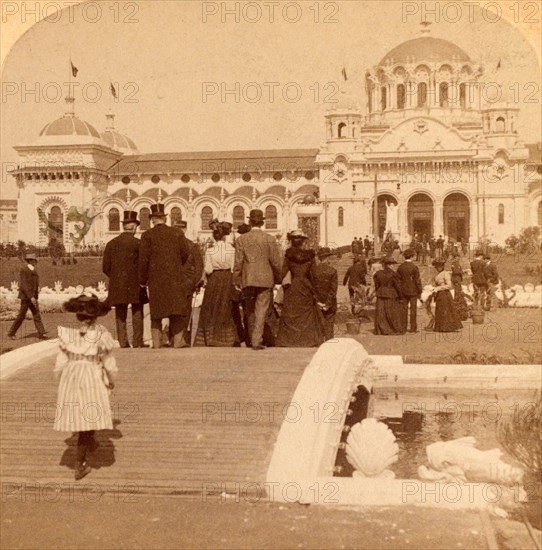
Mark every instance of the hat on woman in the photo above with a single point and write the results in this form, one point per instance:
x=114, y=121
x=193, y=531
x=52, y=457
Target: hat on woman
x=243, y=228
x=87, y=304
x=296, y=234
x=158, y=211
x=130, y=217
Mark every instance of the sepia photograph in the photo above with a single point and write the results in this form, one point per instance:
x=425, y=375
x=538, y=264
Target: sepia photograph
x=271, y=274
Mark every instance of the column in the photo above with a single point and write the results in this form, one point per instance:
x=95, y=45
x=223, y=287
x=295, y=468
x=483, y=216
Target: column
x=472, y=221
x=403, y=223
x=439, y=217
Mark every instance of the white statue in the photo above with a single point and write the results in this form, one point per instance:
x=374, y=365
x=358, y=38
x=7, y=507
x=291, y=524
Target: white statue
x=392, y=218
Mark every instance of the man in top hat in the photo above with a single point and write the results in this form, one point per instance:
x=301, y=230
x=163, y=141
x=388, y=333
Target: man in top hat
x=257, y=268
x=28, y=294
x=120, y=264
x=162, y=253
x=325, y=283
x=411, y=288
x=479, y=278
x=191, y=275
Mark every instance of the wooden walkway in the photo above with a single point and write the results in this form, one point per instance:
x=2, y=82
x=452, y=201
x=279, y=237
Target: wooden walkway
x=185, y=419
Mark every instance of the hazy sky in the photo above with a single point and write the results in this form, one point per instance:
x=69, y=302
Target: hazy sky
x=162, y=52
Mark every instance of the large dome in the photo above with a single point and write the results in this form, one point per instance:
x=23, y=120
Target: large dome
x=425, y=48
x=69, y=125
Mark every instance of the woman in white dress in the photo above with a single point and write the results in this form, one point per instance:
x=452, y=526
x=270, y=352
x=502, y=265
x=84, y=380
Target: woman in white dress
x=216, y=325
x=86, y=368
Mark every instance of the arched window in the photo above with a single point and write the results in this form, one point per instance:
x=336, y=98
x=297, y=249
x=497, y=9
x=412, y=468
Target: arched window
x=422, y=94
x=55, y=223
x=401, y=96
x=144, y=219
x=114, y=219
x=383, y=98
x=271, y=218
x=340, y=220
x=206, y=217
x=341, y=130
x=175, y=215
x=238, y=216
x=501, y=213
x=443, y=94
x=539, y=216
x=500, y=127
x=463, y=95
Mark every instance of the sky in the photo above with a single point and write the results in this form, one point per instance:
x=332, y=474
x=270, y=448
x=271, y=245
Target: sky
x=163, y=55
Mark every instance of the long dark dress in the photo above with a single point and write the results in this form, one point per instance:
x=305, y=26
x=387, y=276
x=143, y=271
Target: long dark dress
x=446, y=315
x=389, y=317
x=216, y=325
x=300, y=324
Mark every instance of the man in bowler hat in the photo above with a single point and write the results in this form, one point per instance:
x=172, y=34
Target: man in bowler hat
x=162, y=253
x=256, y=270
x=411, y=288
x=120, y=264
x=28, y=294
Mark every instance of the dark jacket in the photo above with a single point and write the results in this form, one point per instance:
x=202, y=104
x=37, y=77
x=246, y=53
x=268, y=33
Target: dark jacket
x=325, y=282
x=387, y=284
x=28, y=283
x=478, y=268
x=355, y=274
x=120, y=264
x=492, y=275
x=162, y=254
x=411, y=283
x=192, y=271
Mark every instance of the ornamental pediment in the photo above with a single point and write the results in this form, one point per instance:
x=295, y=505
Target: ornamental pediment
x=420, y=134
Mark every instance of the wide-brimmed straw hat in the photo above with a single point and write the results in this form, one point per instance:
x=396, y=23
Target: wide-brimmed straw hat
x=297, y=234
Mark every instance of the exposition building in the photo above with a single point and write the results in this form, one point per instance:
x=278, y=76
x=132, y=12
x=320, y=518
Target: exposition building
x=444, y=163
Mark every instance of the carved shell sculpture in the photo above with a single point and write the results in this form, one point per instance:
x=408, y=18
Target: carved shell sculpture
x=58, y=286
x=371, y=448
x=102, y=287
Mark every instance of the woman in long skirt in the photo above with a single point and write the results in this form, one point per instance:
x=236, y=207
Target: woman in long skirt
x=300, y=323
x=86, y=368
x=389, y=310
x=216, y=325
x=446, y=316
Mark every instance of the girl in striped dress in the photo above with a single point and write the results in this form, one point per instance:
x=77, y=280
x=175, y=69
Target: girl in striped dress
x=86, y=368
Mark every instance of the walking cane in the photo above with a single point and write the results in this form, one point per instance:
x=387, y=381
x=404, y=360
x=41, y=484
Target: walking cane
x=191, y=322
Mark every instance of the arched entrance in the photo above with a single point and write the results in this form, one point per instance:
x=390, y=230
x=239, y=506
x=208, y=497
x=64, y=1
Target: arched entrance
x=382, y=209
x=55, y=224
x=457, y=216
x=420, y=215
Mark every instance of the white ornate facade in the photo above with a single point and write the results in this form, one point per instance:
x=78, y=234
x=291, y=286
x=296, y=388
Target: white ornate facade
x=452, y=165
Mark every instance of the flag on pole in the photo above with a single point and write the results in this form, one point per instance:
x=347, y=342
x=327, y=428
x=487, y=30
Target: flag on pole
x=343, y=72
x=113, y=91
x=75, y=70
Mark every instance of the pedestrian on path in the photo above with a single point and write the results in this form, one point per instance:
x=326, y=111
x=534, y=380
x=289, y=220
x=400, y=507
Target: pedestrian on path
x=120, y=264
x=86, y=368
x=28, y=293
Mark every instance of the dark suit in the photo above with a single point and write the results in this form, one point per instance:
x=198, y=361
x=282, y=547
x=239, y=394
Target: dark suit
x=120, y=264
x=355, y=276
x=257, y=269
x=28, y=290
x=162, y=253
x=411, y=288
x=479, y=281
x=492, y=277
x=325, y=282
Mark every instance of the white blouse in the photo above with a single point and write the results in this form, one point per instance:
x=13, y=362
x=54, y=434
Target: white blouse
x=219, y=256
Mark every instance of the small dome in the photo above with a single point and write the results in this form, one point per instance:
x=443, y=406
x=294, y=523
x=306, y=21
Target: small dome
x=119, y=142
x=425, y=48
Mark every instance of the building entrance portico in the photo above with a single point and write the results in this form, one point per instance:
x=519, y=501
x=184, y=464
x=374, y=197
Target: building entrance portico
x=457, y=216
x=420, y=215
